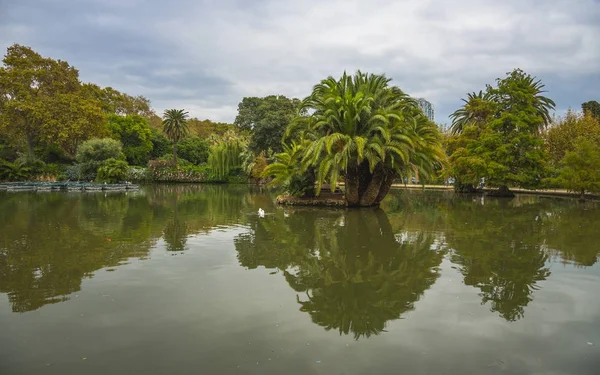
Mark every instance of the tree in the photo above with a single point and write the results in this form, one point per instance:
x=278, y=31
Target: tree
x=503, y=144
x=42, y=100
x=115, y=102
x=369, y=133
x=580, y=169
x=195, y=150
x=160, y=144
x=175, y=127
x=593, y=108
x=226, y=155
x=206, y=128
x=135, y=136
x=561, y=136
x=266, y=118
x=477, y=110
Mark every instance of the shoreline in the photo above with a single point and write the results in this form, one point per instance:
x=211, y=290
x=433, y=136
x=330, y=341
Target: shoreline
x=542, y=192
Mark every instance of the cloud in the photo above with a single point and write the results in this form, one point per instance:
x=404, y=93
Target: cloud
x=205, y=56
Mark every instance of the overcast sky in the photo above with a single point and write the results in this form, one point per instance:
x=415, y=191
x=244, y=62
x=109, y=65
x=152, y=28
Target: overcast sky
x=205, y=56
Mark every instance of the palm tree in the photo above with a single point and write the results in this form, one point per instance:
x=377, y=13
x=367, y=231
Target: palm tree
x=477, y=110
x=361, y=129
x=175, y=127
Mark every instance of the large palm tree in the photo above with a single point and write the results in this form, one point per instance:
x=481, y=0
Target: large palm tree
x=361, y=129
x=175, y=127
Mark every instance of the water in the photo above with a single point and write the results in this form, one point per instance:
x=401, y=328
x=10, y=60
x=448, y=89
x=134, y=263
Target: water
x=189, y=280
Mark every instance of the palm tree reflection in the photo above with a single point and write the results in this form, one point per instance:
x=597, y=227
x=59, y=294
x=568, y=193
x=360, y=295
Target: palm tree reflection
x=351, y=272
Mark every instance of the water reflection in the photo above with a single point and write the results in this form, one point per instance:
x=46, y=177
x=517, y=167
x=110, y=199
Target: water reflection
x=50, y=242
x=352, y=272
x=499, y=250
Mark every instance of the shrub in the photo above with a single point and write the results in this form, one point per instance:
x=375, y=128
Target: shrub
x=73, y=172
x=92, y=153
x=135, y=135
x=167, y=171
x=112, y=170
x=137, y=174
x=161, y=145
x=194, y=149
x=180, y=161
x=16, y=171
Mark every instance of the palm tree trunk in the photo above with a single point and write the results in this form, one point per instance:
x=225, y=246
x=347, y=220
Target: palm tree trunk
x=369, y=197
x=386, y=185
x=352, y=182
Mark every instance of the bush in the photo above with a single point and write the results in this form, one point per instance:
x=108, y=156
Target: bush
x=180, y=161
x=73, y=172
x=135, y=135
x=16, y=171
x=137, y=174
x=161, y=145
x=194, y=149
x=52, y=172
x=92, y=153
x=112, y=170
x=167, y=171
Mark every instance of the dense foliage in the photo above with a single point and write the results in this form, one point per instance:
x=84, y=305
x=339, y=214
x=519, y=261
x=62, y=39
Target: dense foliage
x=357, y=129
x=499, y=134
x=365, y=131
x=266, y=119
x=135, y=136
x=112, y=170
x=91, y=154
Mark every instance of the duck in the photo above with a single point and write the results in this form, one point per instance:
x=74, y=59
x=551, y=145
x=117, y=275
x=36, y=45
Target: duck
x=261, y=213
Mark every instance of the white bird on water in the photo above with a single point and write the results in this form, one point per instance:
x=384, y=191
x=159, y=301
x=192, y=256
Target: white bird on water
x=261, y=213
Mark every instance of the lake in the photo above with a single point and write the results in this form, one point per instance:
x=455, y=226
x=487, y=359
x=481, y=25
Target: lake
x=188, y=279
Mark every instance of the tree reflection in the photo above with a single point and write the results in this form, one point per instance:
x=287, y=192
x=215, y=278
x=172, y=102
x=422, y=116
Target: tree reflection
x=50, y=242
x=351, y=271
x=499, y=249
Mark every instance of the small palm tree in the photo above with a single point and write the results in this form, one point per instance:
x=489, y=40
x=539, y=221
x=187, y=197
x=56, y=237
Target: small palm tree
x=478, y=109
x=175, y=127
x=14, y=171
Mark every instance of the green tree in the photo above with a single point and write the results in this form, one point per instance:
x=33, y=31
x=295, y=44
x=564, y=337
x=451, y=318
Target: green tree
x=161, y=145
x=477, y=110
x=593, y=108
x=175, y=127
x=42, y=100
x=580, y=168
x=502, y=143
x=267, y=118
x=369, y=133
x=135, y=136
x=91, y=154
x=226, y=155
x=194, y=149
